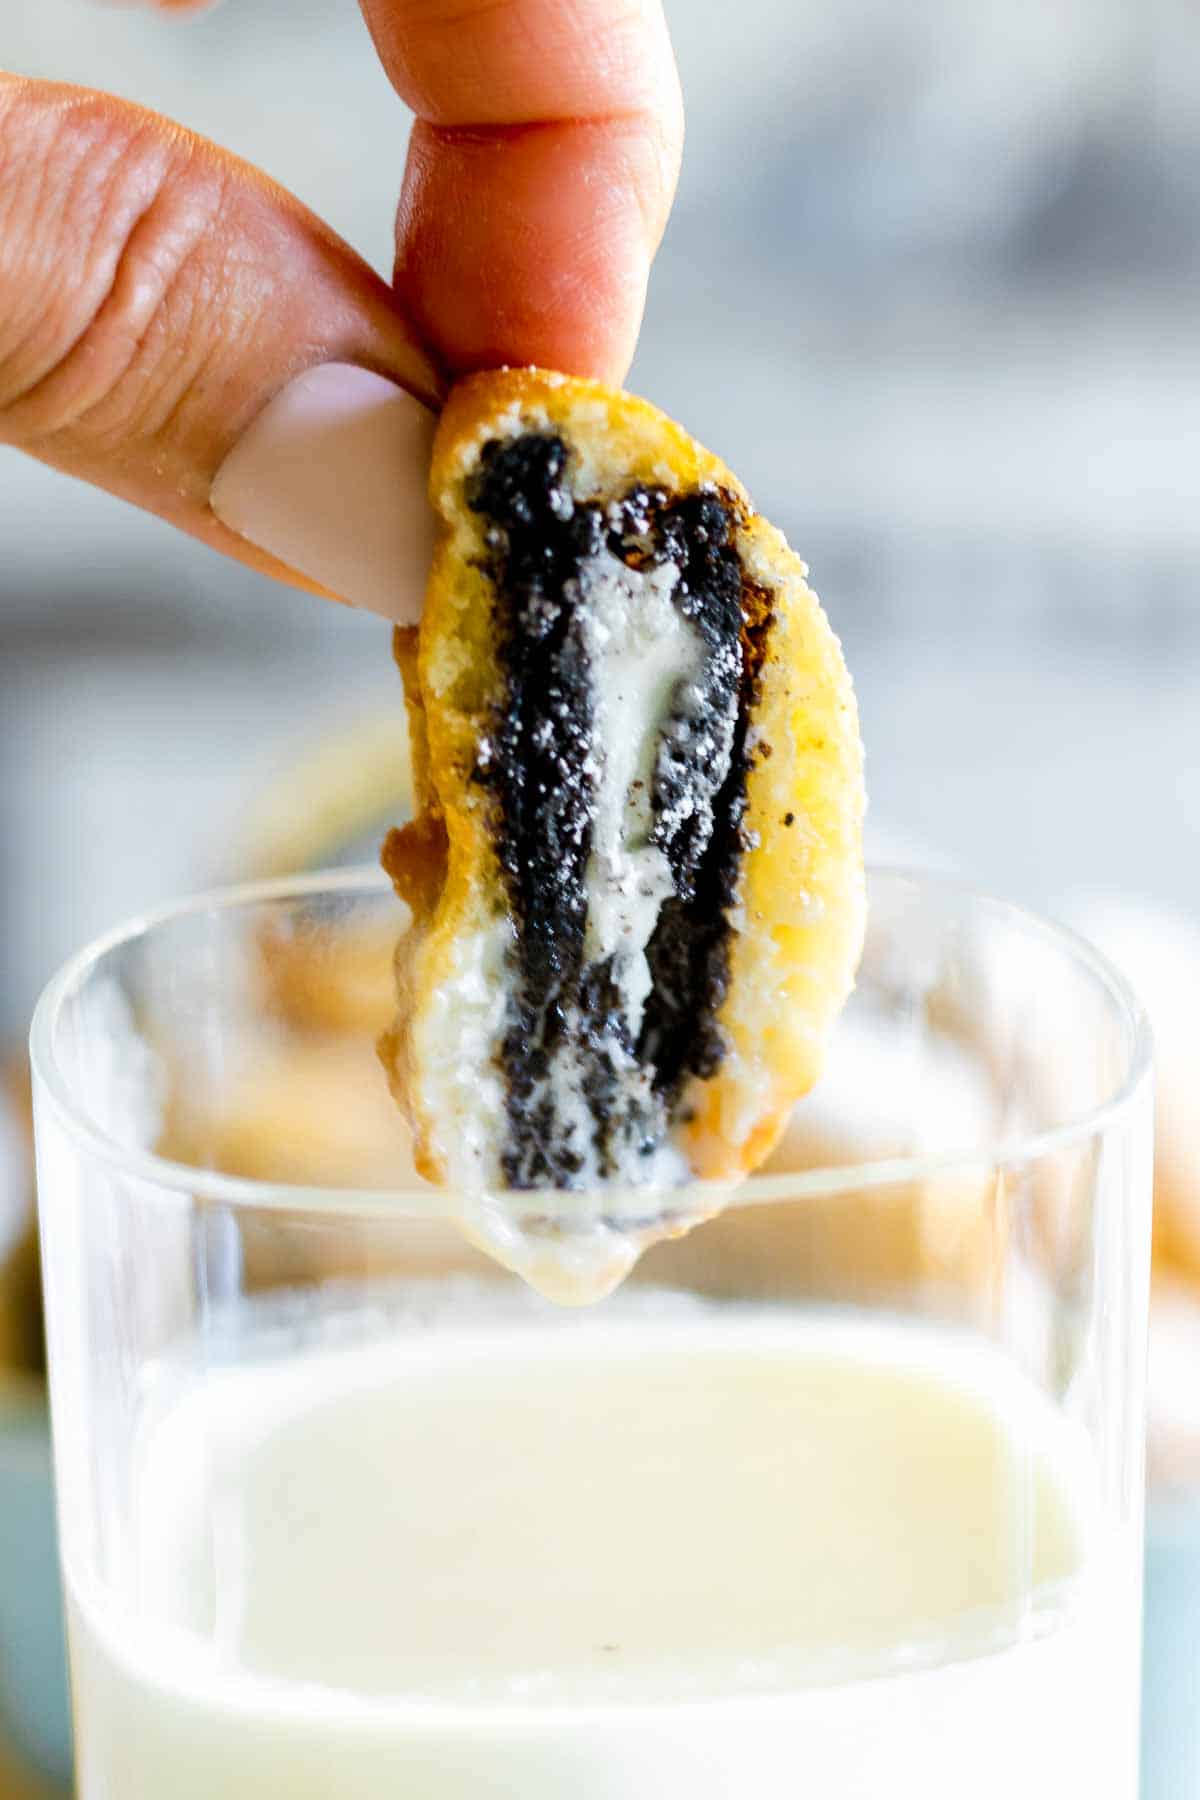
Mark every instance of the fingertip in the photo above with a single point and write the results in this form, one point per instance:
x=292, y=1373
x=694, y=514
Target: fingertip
x=485, y=63
x=331, y=479
x=534, y=245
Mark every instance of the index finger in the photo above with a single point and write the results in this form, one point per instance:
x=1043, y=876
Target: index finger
x=541, y=170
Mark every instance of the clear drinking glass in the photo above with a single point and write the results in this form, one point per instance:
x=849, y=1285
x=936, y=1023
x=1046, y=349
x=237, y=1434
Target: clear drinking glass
x=839, y=1494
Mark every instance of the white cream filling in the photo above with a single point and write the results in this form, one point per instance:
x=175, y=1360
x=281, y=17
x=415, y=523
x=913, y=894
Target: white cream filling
x=573, y=1121
x=458, y=1038
x=641, y=648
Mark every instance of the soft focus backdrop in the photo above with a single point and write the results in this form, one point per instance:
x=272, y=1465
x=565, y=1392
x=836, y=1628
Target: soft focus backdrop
x=930, y=289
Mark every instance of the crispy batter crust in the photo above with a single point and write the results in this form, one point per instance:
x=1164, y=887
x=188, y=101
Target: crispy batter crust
x=799, y=924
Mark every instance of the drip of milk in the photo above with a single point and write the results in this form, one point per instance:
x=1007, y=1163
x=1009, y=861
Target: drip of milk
x=675, y=1551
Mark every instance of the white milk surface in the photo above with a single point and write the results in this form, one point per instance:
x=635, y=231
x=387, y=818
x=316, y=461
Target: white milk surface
x=707, y=1553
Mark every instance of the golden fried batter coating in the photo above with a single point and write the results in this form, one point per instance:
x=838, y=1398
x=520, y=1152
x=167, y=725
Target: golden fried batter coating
x=743, y=890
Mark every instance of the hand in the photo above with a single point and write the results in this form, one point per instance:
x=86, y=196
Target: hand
x=157, y=295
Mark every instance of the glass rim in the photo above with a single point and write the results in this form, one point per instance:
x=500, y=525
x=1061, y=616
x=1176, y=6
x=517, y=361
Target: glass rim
x=427, y=1201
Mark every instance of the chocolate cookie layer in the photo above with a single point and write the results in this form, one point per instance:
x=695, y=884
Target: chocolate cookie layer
x=620, y=899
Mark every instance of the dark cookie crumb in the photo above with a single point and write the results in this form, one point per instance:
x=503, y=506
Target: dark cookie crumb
x=689, y=951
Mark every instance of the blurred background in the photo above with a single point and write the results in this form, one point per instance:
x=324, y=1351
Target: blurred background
x=930, y=289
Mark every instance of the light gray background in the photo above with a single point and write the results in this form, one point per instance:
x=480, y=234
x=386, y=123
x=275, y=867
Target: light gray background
x=929, y=288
